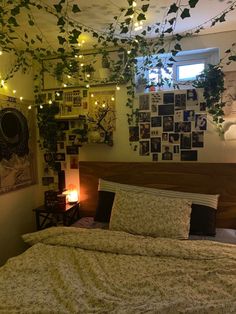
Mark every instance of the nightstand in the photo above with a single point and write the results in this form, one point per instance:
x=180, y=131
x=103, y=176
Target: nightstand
x=47, y=217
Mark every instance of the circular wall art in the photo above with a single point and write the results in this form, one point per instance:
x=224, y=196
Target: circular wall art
x=14, y=133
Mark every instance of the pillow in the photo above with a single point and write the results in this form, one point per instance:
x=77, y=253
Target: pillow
x=150, y=215
x=203, y=215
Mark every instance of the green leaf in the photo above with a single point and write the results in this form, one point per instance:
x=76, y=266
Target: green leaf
x=169, y=30
x=61, y=40
x=192, y=3
x=61, y=50
x=15, y=11
x=145, y=7
x=130, y=2
x=222, y=18
x=75, y=8
x=232, y=58
x=141, y=17
x=124, y=30
x=13, y=21
x=130, y=11
x=185, y=13
x=171, y=21
x=173, y=9
x=228, y=51
x=162, y=50
x=39, y=38
x=31, y=22
x=61, y=21
x=58, y=7
x=178, y=47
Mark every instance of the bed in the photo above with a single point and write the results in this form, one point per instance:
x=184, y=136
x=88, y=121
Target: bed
x=132, y=265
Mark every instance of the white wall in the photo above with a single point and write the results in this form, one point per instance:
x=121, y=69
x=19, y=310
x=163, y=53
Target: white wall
x=215, y=150
x=16, y=216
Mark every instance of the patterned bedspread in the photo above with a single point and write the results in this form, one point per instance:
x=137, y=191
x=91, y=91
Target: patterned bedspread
x=74, y=270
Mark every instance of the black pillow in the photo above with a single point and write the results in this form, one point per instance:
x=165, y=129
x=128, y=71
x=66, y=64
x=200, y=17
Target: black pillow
x=202, y=221
x=104, y=206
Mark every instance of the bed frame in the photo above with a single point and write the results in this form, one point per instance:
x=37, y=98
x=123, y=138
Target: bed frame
x=208, y=178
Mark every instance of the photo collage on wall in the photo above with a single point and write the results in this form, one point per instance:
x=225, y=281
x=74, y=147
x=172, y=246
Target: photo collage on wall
x=171, y=125
x=73, y=106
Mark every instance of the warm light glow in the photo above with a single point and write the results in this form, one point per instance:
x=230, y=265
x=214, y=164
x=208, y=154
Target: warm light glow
x=69, y=76
x=72, y=196
x=76, y=56
x=50, y=102
x=21, y=98
x=2, y=83
x=134, y=4
x=57, y=93
x=41, y=106
x=92, y=95
x=81, y=64
x=29, y=107
x=129, y=52
x=14, y=91
x=80, y=56
x=87, y=85
x=113, y=98
x=65, y=85
x=88, y=75
x=117, y=87
x=96, y=102
x=103, y=105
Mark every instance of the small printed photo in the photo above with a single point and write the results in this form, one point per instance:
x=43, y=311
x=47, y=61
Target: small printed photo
x=48, y=157
x=156, y=122
x=85, y=105
x=154, y=157
x=202, y=106
x=144, y=130
x=168, y=98
x=144, y=148
x=176, y=149
x=189, y=155
x=61, y=136
x=180, y=101
x=71, y=137
x=85, y=93
x=144, y=116
x=133, y=133
x=167, y=153
x=63, y=125
x=59, y=157
x=47, y=181
x=156, y=98
x=178, y=115
x=144, y=102
x=174, y=138
x=155, y=145
x=72, y=150
x=192, y=94
x=201, y=122
x=185, y=141
x=58, y=95
x=60, y=146
x=155, y=132
x=165, y=110
x=74, y=162
x=165, y=137
x=182, y=127
x=154, y=108
x=77, y=100
x=198, y=139
x=168, y=123
x=189, y=115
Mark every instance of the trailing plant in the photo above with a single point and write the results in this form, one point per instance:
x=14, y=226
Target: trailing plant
x=212, y=81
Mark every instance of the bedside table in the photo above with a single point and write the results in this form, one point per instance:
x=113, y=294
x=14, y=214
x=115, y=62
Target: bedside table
x=47, y=217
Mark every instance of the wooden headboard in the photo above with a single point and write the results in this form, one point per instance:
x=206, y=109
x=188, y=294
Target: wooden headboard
x=208, y=178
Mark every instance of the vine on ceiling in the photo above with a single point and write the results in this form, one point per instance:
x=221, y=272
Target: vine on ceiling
x=128, y=32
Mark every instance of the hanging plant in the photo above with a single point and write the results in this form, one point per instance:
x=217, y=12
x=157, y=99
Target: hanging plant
x=212, y=81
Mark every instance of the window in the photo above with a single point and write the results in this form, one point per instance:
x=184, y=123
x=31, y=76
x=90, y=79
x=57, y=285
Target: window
x=189, y=72
x=188, y=65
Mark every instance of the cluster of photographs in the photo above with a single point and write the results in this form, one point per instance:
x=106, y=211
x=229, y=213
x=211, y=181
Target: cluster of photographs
x=171, y=125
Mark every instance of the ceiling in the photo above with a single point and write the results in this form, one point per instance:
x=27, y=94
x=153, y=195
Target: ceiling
x=98, y=14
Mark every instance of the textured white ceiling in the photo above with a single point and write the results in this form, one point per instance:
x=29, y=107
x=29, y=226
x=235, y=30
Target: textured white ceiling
x=97, y=14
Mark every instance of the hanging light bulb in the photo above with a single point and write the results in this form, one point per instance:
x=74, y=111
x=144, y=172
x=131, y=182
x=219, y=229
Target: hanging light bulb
x=112, y=98
x=50, y=102
x=14, y=91
x=41, y=106
x=92, y=95
x=117, y=87
x=21, y=98
x=134, y=4
x=69, y=76
x=64, y=85
x=87, y=85
x=29, y=107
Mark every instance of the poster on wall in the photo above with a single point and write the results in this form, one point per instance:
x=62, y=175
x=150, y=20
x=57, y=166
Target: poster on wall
x=17, y=162
x=171, y=125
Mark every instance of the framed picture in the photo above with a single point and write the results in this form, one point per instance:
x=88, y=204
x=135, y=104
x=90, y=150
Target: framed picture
x=165, y=110
x=144, y=116
x=185, y=141
x=200, y=122
x=144, y=148
x=144, y=130
x=72, y=150
x=188, y=155
x=155, y=145
x=48, y=157
x=180, y=101
x=167, y=153
x=144, y=102
x=168, y=123
x=168, y=98
x=198, y=139
x=156, y=122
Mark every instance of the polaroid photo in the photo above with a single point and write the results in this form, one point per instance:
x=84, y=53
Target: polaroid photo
x=182, y=127
x=180, y=101
x=144, y=129
x=179, y=115
x=189, y=115
x=174, y=138
x=168, y=98
x=156, y=122
x=192, y=97
x=72, y=150
x=155, y=145
x=176, y=149
x=144, y=116
x=165, y=110
x=198, y=139
x=167, y=153
x=168, y=123
x=156, y=99
x=155, y=132
x=185, y=141
x=165, y=137
x=201, y=122
x=144, y=102
x=133, y=133
x=48, y=157
x=189, y=155
x=144, y=148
